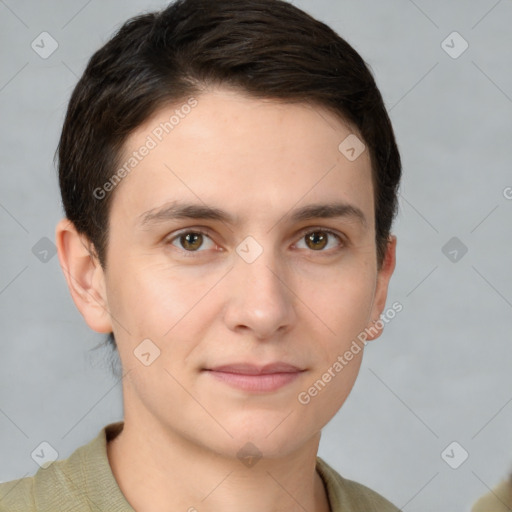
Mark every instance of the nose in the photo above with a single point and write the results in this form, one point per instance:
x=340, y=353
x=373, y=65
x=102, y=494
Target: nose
x=260, y=297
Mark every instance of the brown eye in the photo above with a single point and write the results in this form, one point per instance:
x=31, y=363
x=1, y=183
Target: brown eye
x=191, y=241
x=316, y=240
x=319, y=239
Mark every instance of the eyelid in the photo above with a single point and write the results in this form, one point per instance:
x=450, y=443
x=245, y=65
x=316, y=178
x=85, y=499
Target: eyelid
x=324, y=229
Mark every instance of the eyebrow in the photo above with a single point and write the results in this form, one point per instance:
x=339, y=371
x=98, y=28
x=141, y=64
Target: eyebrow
x=178, y=210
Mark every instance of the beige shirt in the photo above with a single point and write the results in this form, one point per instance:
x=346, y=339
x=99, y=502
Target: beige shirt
x=498, y=500
x=84, y=482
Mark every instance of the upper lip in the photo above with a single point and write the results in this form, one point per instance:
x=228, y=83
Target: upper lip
x=252, y=369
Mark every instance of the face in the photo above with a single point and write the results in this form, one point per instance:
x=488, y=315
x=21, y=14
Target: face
x=241, y=276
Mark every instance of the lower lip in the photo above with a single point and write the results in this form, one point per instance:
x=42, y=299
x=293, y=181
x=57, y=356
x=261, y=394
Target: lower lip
x=258, y=383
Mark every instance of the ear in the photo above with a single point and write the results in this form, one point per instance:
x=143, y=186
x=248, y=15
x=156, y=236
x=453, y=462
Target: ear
x=84, y=275
x=381, y=289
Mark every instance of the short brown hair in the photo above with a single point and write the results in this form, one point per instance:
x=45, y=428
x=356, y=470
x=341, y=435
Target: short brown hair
x=264, y=48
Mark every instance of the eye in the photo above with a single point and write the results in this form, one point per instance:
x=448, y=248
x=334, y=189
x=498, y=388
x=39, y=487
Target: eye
x=318, y=239
x=191, y=241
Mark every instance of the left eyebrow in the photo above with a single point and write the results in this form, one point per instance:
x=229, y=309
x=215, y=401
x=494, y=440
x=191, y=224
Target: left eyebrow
x=329, y=210
x=178, y=210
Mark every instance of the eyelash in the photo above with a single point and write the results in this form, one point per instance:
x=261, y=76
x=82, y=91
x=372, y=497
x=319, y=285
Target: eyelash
x=193, y=254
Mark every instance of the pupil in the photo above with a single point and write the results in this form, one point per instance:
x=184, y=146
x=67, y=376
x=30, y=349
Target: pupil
x=315, y=239
x=190, y=244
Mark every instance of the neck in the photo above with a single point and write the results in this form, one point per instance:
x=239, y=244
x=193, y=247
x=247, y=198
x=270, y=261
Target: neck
x=164, y=471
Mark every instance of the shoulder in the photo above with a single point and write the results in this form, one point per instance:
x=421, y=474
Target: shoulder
x=17, y=495
x=65, y=484
x=49, y=488
x=498, y=500
x=350, y=496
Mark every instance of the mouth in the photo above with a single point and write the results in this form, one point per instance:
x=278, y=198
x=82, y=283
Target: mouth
x=252, y=378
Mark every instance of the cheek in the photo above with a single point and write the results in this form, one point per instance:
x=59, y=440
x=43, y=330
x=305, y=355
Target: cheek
x=341, y=301
x=153, y=298
x=343, y=310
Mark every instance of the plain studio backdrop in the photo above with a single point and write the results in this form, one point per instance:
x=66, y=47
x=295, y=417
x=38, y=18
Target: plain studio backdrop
x=429, y=421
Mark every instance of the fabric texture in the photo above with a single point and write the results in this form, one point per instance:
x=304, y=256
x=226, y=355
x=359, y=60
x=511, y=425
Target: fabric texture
x=498, y=500
x=84, y=482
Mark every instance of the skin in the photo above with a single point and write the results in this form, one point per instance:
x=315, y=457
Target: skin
x=259, y=160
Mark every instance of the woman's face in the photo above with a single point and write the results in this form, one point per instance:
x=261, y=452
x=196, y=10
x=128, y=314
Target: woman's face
x=214, y=259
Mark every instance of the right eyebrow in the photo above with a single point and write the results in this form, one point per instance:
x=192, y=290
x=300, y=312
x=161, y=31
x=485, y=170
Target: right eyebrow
x=177, y=210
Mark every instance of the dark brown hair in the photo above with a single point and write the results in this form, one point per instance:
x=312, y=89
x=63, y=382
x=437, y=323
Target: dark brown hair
x=264, y=48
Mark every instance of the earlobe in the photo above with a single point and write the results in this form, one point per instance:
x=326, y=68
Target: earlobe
x=84, y=276
x=374, y=330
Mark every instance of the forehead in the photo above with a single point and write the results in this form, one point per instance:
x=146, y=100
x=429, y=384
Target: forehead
x=249, y=156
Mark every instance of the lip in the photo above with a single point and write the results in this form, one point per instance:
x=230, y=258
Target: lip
x=253, y=378
x=252, y=369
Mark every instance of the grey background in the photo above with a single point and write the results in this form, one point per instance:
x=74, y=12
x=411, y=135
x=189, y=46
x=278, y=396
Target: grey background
x=441, y=370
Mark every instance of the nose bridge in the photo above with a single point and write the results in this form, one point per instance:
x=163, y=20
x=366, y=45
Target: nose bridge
x=260, y=298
